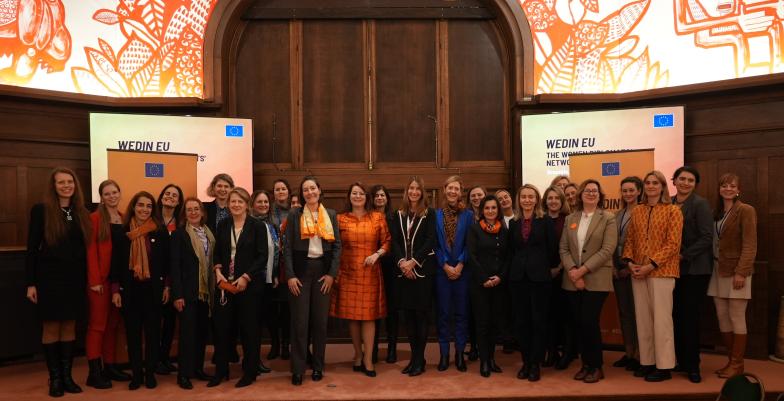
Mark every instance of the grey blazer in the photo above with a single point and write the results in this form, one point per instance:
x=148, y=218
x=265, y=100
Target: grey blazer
x=600, y=242
x=296, y=249
x=697, y=237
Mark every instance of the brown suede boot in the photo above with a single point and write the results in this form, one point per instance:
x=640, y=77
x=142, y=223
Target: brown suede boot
x=738, y=350
x=727, y=339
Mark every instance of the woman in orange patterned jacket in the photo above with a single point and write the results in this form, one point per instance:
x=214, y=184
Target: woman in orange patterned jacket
x=652, y=252
x=360, y=285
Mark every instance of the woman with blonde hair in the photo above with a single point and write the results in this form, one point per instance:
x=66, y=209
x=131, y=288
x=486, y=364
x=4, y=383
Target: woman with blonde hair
x=735, y=246
x=652, y=254
x=534, y=250
x=57, y=239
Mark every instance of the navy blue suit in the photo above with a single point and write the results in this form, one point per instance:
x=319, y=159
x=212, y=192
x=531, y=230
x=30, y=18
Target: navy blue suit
x=453, y=294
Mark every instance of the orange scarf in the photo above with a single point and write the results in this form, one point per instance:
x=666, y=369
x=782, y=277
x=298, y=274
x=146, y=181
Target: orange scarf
x=321, y=227
x=139, y=263
x=490, y=230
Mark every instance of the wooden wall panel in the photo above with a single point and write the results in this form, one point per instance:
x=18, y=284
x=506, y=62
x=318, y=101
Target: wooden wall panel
x=477, y=126
x=333, y=91
x=405, y=91
x=263, y=84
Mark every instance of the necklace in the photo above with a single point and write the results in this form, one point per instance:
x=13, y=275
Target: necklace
x=67, y=213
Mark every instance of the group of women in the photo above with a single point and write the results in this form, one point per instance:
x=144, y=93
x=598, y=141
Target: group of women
x=531, y=267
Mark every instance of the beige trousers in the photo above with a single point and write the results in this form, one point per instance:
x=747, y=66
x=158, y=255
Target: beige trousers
x=653, y=311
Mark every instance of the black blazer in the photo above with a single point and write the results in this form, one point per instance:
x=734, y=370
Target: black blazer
x=697, y=239
x=534, y=258
x=488, y=254
x=159, y=259
x=296, y=249
x=423, y=242
x=185, y=268
x=212, y=214
x=252, y=250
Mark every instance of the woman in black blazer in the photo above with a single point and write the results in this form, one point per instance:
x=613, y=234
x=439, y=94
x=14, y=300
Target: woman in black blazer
x=140, y=265
x=312, y=255
x=218, y=209
x=193, y=287
x=413, y=231
x=534, y=250
x=240, y=263
x=488, y=259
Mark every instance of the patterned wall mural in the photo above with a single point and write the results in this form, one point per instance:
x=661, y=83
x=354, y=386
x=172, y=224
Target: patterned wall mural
x=615, y=46
x=144, y=48
x=121, y=48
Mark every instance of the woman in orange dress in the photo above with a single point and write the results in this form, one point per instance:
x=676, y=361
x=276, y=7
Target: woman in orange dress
x=360, y=286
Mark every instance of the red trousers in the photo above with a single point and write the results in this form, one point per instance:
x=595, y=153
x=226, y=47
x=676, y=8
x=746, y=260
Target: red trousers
x=102, y=325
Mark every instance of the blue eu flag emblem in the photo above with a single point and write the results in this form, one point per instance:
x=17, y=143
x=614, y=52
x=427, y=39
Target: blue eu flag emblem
x=611, y=168
x=663, y=120
x=153, y=170
x=234, y=130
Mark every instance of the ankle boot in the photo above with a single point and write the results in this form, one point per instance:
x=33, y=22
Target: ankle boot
x=460, y=362
x=95, y=378
x=443, y=363
x=52, y=354
x=738, y=351
x=66, y=363
x=484, y=368
x=727, y=340
x=392, y=351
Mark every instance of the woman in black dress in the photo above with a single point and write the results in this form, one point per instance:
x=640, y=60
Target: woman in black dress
x=140, y=265
x=488, y=259
x=413, y=231
x=56, y=268
x=383, y=204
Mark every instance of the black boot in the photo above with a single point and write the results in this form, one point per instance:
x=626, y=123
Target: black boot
x=52, y=354
x=274, y=347
x=392, y=351
x=443, y=363
x=284, y=350
x=66, y=363
x=473, y=353
x=484, y=368
x=460, y=362
x=112, y=372
x=96, y=378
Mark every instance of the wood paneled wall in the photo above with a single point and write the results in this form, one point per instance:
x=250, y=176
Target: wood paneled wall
x=374, y=100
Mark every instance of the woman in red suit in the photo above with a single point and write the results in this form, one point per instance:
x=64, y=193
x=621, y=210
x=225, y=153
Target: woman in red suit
x=104, y=317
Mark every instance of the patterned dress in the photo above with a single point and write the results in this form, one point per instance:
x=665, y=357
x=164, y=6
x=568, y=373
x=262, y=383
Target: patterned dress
x=359, y=294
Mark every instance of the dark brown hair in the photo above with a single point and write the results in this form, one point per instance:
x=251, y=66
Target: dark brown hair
x=129, y=212
x=348, y=207
x=725, y=178
x=421, y=207
x=374, y=191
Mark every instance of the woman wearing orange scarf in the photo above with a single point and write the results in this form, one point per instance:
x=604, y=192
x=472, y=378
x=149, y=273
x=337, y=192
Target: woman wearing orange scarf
x=312, y=259
x=140, y=263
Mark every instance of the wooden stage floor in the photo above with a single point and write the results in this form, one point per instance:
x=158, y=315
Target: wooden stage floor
x=28, y=382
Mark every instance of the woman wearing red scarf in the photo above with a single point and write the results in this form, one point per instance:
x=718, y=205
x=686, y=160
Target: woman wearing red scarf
x=140, y=263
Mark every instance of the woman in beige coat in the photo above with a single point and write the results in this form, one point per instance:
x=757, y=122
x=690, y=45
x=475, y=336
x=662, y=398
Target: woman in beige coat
x=587, y=244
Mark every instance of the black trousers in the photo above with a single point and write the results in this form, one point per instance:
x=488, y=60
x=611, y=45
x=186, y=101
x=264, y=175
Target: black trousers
x=586, y=310
x=531, y=303
x=231, y=311
x=268, y=316
x=309, y=314
x=687, y=298
x=561, y=329
x=488, y=308
x=168, y=322
x=416, y=328
x=194, y=326
x=141, y=309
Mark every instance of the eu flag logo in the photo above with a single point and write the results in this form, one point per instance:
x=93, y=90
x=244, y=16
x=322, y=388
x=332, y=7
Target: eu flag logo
x=663, y=120
x=153, y=170
x=234, y=130
x=611, y=168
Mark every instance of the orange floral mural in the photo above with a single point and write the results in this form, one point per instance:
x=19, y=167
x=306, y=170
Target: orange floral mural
x=576, y=54
x=161, y=55
x=33, y=36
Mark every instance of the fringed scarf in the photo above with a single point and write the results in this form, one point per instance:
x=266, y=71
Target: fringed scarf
x=204, y=255
x=139, y=261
